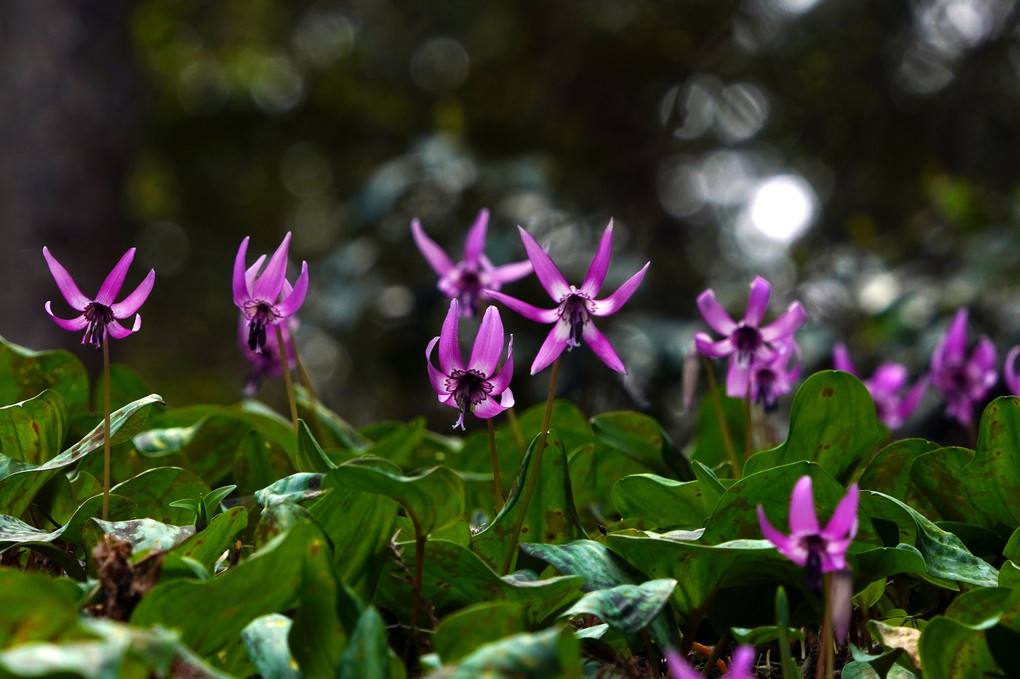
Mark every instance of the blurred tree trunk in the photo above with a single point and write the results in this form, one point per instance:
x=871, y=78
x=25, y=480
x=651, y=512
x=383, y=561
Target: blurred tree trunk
x=67, y=102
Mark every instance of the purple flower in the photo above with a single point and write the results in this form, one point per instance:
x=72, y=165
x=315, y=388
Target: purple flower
x=266, y=299
x=740, y=665
x=468, y=280
x=747, y=340
x=99, y=316
x=472, y=388
x=766, y=381
x=893, y=405
x=1011, y=376
x=266, y=363
x=818, y=550
x=575, y=306
x=958, y=380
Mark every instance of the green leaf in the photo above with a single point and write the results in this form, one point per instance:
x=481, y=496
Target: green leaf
x=25, y=373
x=591, y=560
x=265, y=639
x=660, y=502
x=154, y=490
x=626, y=608
x=294, y=488
x=309, y=456
x=36, y=608
x=205, y=547
x=33, y=431
x=141, y=533
x=554, y=653
x=461, y=633
x=642, y=438
x=889, y=472
x=339, y=434
x=832, y=422
x=368, y=655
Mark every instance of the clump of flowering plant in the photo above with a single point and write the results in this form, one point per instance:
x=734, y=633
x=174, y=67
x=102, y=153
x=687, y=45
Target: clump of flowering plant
x=468, y=280
x=963, y=381
x=572, y=317
x=894, y=402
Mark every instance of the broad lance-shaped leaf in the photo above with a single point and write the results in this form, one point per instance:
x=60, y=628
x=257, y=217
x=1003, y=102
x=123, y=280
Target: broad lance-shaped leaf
x=642, y=438
x=20, y=481
x=25, y=373
x=626, y=608
x=462, y=632
x=154, y=490
x=548, y=654
x=889, y=472
x=432, y=499
x=294, y=489
x=983, y=486
x=206, y=546
x=265, y=639
x=33, y=431
x=660, y=502
x=832, y=422
x=551, y=515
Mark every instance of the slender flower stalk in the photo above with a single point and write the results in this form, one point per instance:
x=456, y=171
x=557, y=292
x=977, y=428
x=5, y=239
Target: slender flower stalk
x=740, y=667
x=99, y=319
x=894, y=401
x=468, y=280
x=266, y=298
x=962, y=381
x=576, y=307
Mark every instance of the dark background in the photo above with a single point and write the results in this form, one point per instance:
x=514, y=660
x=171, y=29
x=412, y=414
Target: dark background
x=182, y=126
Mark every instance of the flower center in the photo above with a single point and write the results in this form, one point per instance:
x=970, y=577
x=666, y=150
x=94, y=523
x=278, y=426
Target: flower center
x=747, y=339
x=815, y=546
x=574, y=310
x=469, y=388
x=765, y=380
x=469, y=285
x=261, y=315
x=98, y=315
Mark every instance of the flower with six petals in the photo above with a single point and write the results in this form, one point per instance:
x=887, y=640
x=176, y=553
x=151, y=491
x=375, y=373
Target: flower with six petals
x=893, y=405
x=266, y=298
x=959, y=380
x=818, y=550
x=472, y=388
x=468, y=280
x=99, y=316
x=572, y=317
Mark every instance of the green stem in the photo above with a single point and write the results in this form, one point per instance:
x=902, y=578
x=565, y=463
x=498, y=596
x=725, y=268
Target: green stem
x=749, y=425
x=106, y=431
x=419, y=569
x=825, y=640
x=497, y=482
x=515, y=429
x=724, y=430
x=536, y=464
x=285, y=365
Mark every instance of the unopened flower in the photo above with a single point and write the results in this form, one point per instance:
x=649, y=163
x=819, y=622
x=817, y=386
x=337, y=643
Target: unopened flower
x=959, y=380
x=894, y=402
x=572, y=317
x=266, y=298
x=266, y=363
x=817, y=550
x=99, y=316
x=472, y=388
x=747, y=341
x=740, y=666
x=467, y=280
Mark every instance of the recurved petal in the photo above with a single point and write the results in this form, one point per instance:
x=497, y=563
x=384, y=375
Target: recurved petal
x=502, y=380
x=65, y=283
x=889, y=378
x=449, y=342
x=953, y=346
x=433, y=254
x=475, y=243
x=602, y=348
x=843, y=524
x=785, y=325
x=757, y=301
x=984, y=358
x=706, y=347
x=120, y=332
x=841, y=359
x=252, y=273
x=490, y=408
x=612, y=304
x=507, y=273
x=115, y=279
x=599, y=264
x=554, y=344
x=269, y=284
x=803, y=519
x=532, y=313
x=241, y=288
x=437, y=378
x=488, y=343
x=782, y=542
x=293, y=301
x=548, y=274
x=136, y=299
x=74, y=324
x=714, y=314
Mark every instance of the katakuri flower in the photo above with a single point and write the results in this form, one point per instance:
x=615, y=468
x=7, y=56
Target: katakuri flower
x=468, y=280
x=894, y=402
x=740, y=666
x=266, y=299
x=576, y=306
x=747, y=341
x=767, y=380
x=960, y=381
x=472, y=388
x=99, y=316
x=817, y=550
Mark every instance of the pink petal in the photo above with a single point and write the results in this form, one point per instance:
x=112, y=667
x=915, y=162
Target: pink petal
x=252, y=273
x=289, y=305
x=738, y=380
x=118, y=331
x=602, y=348
x=706, y=347
x=488, y=343
x=501, y=381
x=136, y=299
x=714, y=314
x=433, y=254
x=548, y=275
x=1009, y=372
x=437, y=378
x=532, y=313
x=73, y=325
x=269, y=284
x=449, y=342
x=507, y=273
x=678, y=667
x=741, y=663
x=782, y=542
x=599, y=264
x=115, y=279
x=953, y=346
x=241, y=288
x=841, y=359
x=785, y=325
x=757, y=301
x=611, y=304
x=475, y=243
x=554, y=344
x=803, y=519
x=489, y=408
x=65, y=283
x=843, y=524
x=889, y=378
